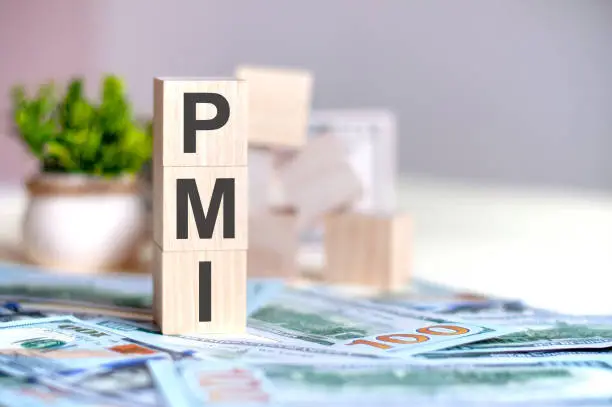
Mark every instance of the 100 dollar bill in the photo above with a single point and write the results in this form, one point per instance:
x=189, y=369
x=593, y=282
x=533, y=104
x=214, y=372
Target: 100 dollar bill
x=496, y=312
x=511, y=357
x=238, y=349
x=323, y=319
x=56, y=344
x=395, y=383
x=561, y=336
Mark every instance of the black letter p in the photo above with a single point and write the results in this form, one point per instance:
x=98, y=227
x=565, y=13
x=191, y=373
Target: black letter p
x=191, y=125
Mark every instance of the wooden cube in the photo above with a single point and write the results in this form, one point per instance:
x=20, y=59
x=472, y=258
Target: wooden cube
x=319, y=180
x=279, y=105
x=273, y=244
x=368, y=250
x=182, y=305
x=181, y=141
x=184, y=197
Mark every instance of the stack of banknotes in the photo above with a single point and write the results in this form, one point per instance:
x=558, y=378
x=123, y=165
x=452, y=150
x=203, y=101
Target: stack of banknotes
x=89, y=341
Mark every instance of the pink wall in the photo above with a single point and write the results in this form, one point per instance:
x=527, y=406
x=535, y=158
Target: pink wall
x=39, y=40
x=509, y=91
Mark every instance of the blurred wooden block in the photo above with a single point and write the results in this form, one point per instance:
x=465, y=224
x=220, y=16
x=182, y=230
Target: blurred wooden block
x=369, y=138
x=279, y=105
x=261, y=173
x=199, y=291
x=273, y=244
x=179, y=141
x=182, y=192
x=318, y=180
x=368, y=250
x=265, y=187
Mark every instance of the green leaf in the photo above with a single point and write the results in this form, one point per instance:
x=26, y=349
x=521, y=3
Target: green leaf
x=55, y=151
x=71, y=134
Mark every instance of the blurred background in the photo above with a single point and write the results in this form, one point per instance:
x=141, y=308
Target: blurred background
x=516, y=92
x=504, y=120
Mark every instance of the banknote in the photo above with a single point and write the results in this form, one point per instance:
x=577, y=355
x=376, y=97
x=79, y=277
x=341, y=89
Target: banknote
x=125, y=382
x=12, y=311
x=395, y=383
x=246, y=349
x=514, y=357
x=322, y=319
x=114, y=294
x=21, y=392
x=149, y=383
x=467, y=309
x=58, y=344
x=226, y=383
x=118, y=291
x=169, y=384
x=560, y=336
x=494, y=311
x=260, y=290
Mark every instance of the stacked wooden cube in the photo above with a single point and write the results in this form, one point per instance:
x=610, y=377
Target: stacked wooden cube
x=200, y=205
x=203, y=222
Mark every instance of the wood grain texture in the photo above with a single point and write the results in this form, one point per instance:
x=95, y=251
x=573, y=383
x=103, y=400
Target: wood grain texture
x=279, y=105
x=273, y=244
x=318, y=180
x=368, y=250
x=165, y=208
x=226, y=146
x=176, y=291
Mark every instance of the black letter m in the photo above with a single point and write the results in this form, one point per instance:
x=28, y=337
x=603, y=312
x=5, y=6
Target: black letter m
x=187, y=191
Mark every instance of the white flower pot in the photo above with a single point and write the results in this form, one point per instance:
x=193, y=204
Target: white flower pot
x=80, y=223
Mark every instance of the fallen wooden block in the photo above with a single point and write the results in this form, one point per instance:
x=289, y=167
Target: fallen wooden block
x=273, y=244
x=318, y=180
x=368, y=250
x=279, y=105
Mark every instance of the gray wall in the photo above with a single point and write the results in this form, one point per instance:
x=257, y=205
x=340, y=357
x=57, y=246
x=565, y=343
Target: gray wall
x=518, y=91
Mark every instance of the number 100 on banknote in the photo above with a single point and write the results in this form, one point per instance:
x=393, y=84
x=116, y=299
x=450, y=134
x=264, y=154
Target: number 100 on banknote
x=319, y=318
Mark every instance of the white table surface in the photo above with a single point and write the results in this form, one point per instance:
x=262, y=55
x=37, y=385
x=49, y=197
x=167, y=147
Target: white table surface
x=551, y=248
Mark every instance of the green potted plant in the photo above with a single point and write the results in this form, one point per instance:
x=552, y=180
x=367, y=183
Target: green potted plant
x=85, y=210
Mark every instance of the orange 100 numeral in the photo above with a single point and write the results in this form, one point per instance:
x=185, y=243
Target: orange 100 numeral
x=409, y=339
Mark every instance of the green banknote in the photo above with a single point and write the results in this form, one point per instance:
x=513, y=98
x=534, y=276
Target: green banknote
x=117, y=291
x=22, y=392
x=117, y=294
x=561, y=336
x=218, y=383
x=56, y=344
x=393, y=383
x=237, y=349
x=494, y=311
x=513, y=357
x=322, y=319
x=128, y=382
